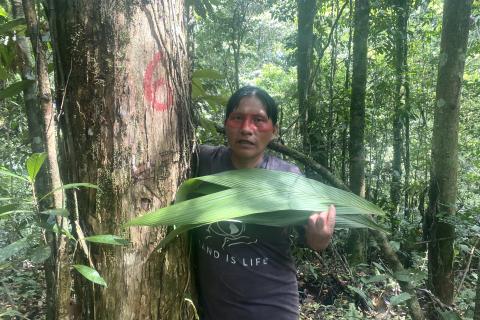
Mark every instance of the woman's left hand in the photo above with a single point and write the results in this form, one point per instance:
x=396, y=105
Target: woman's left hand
x=319, y=229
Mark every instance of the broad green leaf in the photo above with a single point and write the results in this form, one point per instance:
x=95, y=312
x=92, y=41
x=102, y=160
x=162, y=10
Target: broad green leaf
x=71, y=186
x=207, y=74
x=8, y=173
x=376, y=278
x=3, y=12
x=91, y=274
x=34, y=163
x=14, y=89
x=41, y=254
x=398, y=299
x=403, y=276
x=258, y=196
x=57, y=212
x=289, y=197
x=12, y=249
x=11, y=25
x=108, y=239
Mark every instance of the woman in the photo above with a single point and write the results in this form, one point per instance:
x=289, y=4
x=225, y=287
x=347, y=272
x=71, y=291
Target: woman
x=246, y=271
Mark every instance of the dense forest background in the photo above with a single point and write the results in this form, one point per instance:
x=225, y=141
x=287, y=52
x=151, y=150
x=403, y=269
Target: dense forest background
x=359, y=85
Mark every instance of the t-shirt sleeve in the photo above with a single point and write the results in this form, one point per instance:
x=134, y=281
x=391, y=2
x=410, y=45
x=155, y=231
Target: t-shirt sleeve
x=211, y=160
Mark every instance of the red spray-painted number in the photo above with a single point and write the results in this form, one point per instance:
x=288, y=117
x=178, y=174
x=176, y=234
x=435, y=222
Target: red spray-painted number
x=155, y=87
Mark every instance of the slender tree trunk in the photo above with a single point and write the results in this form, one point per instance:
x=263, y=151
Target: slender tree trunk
x=347, y=87
x=127, y=110
x=401, y=8
x=306, y=10
x=406, y=162
x=444, y=167
x=62, y=270
x=356, y=244
x=237, y=29
x=34, y=120
x=476, y=315
x=331, y=91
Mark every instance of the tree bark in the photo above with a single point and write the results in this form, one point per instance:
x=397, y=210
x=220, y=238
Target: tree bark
x=356, y=243
x=306, y=10
x=331, y=91
x=401, y=18
x=126, y=106
x=35, y=130
x=238, y=29
x=476, y=315
x=444, y=167
x=347, y=85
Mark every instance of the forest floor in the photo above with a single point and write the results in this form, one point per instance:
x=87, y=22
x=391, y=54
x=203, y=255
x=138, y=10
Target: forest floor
x=22, y=291
x=328, y=288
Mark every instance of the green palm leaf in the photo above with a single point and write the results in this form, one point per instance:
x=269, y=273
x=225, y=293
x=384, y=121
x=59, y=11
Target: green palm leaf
x=258, y=196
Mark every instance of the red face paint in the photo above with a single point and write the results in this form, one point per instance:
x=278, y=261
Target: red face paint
x=252, y=121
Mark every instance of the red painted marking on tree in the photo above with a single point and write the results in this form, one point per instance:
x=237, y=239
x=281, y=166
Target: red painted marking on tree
x=155, y=87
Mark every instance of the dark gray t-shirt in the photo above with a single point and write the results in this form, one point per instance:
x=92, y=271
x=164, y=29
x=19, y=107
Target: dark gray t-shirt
x=244, y=271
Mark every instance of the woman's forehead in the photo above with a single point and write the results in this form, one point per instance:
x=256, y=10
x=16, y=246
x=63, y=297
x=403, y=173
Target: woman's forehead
x=250, y=105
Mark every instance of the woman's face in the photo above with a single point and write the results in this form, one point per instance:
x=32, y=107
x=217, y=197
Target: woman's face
x=249, y=130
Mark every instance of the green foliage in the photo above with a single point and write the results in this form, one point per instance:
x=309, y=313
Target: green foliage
x=108, y=239
x=70, y=186
x=56, y=212
x=399, y=299
x=30, y=246
x=258, y=196
x=90, y=274
x=34, y=163
x=12, y=25
x=15, y=88
x=13, y=248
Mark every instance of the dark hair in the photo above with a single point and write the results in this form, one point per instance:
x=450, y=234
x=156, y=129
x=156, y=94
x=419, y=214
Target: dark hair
x=251, y=91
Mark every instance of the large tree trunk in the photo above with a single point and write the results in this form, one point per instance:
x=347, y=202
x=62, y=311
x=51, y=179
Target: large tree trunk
x=443, y=180
x=126, y=109
x=356, y=245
